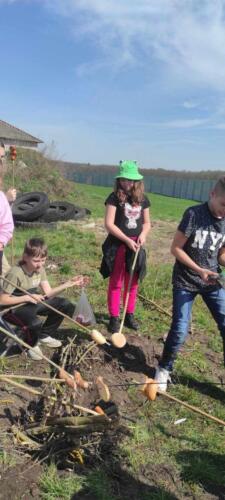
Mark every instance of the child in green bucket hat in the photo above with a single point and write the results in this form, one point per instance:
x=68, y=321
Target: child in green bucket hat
x=127, y=221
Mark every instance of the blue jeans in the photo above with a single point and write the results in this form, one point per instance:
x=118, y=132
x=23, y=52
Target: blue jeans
x=182, y=306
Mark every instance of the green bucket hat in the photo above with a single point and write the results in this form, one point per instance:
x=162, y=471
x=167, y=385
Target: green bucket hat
x=129, y=170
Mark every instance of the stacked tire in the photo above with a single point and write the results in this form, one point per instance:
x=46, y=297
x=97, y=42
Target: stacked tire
x=35, y=210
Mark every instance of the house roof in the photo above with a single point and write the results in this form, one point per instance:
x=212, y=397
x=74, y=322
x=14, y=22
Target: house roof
x=10, y=132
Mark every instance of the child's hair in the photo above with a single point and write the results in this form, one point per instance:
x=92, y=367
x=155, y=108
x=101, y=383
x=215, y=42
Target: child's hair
x=219, y=188
x=136, y=194
x=35, y=247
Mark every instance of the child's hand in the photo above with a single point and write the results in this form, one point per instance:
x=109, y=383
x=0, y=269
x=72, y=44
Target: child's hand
x=11, y=195
x=141, y=239
x=132, y=245
x=208, y=276
x=78, y=281
x=34, y=299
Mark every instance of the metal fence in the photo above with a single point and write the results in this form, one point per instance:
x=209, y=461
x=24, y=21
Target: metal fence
x=191, y=189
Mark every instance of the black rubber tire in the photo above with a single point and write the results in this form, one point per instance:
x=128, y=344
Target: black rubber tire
x=28, y=207
x=58, y=210
x=80, y=213
x=35, y=225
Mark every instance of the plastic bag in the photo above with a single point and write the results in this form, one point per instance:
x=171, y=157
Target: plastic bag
x=83, y=313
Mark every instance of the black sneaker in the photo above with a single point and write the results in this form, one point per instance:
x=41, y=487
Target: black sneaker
x=114, y=324
x=130, y=322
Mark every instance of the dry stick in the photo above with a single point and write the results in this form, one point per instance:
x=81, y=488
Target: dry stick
x=164, y=311
x=65, y=352
x=155, y=305
x=68, y=429
x=24, y=344
x=32, y=377
x=77, y=420
x=47, y=305
x=20, y=386
x=90, y=347
x=82, y=408
x=38, y=393
x=190, y=407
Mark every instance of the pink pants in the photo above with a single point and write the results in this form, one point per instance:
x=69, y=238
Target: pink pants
x=118, y=278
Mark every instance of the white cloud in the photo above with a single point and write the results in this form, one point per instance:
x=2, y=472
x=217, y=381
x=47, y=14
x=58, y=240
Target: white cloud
x=195, y=122
x=189, y=104
x=186, y=35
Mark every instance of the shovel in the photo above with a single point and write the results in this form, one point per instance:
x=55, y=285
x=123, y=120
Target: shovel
x=118, y=339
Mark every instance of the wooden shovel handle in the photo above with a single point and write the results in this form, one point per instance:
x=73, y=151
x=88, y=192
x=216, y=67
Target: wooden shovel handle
x=128, y=289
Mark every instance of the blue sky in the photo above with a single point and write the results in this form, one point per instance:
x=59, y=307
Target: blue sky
x=118, y=79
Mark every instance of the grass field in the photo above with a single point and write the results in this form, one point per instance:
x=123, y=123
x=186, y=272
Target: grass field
x=159, y=459
x=163, y=207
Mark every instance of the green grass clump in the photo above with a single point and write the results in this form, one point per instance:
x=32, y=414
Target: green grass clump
x=65, y=269
x=52, y=486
